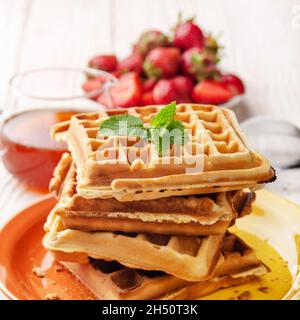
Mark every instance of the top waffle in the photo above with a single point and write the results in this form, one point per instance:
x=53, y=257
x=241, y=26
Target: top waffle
x=216, y=157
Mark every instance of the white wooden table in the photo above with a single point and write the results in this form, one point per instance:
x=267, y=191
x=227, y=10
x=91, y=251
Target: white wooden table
x=261, y=37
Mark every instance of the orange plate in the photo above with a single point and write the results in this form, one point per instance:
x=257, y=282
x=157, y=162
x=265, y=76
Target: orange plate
x=21, y=250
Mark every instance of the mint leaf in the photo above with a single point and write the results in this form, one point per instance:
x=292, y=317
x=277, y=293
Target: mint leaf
x=123, y=125
x=177, y=132
x=163, y=131
x=156, y=138
x=164, y=137
x=164, y=116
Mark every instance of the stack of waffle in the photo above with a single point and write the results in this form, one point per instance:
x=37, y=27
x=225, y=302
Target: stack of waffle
x=147, y=227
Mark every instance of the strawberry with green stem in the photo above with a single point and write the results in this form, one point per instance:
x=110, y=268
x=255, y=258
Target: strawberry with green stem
x=162, y=62
x=149, y=40
x=188, y=35
x=200, y=64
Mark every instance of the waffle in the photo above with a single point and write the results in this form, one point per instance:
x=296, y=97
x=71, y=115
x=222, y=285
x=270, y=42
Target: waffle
x=200, y=289
x=190, y=258
x=186, y=215
x=216, y=159
x=111, y=280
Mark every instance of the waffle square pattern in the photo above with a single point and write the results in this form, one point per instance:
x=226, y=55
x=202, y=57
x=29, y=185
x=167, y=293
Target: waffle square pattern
x=215, y=158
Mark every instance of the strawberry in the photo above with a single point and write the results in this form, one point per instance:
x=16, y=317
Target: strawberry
x=117, y=73
x=183, y=99
x=211, y=44
x=126, y=93
x=134, y=62
x=150, y=40
x=188, y=35
x=162, y=62
x=147, y=98
x=183, y=86
x=199, y=64
x=104, y=62
x=149, y=84
x=93, y=84
x=164, y=92
x=209, y=91
x=233, y=83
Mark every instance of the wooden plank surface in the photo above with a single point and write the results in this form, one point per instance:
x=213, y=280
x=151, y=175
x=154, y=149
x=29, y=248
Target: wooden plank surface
x=261, y=41
x=13, y=21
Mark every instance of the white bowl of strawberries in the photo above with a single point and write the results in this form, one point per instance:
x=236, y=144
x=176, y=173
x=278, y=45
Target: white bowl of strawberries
x=183, y=67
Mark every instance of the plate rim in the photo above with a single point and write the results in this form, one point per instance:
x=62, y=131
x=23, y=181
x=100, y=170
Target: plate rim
x=5, y=221
x=10, y=296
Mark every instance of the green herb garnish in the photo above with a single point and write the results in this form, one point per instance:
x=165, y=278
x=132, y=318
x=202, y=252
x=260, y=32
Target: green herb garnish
x=160, y=132
x=123, y=125
x=165, y=116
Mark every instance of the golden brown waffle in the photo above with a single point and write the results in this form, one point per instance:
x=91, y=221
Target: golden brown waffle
x=190, y=258
x=200, y=289
x=111, y=280
x=186, y=215
x=217, y=159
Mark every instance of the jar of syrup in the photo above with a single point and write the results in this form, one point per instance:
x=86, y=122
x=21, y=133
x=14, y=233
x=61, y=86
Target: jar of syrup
x=36, y=100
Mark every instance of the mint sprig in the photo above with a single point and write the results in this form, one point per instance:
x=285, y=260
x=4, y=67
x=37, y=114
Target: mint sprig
x=165, y=116
x=180, y=138
x=123, y=125
x=160, y=131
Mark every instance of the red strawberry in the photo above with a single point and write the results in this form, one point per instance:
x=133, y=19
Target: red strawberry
x=233, y=83
x=147, y=99
x=162, y=62
x=149, y=84
x=93, y=84
x=126, y=93
x=164, y=92
x=188, y=35
x=209, y=91
x=134, y=62
x=117, y=73
x=199, y=64
x=183, y=86
x=150, y=40
x=104, y=62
